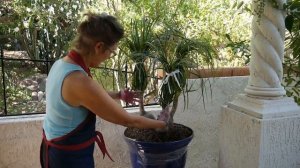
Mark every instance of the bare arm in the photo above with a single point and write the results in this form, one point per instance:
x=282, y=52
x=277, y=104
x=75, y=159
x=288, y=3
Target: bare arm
x=78, y=89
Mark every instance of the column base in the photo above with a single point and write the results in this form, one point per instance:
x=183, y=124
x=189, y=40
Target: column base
x=260, y=133
x=264, y=108
x=265, y=92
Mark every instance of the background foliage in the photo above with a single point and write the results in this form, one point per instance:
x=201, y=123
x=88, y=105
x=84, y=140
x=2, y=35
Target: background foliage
x=44, y=28
x=292, y=58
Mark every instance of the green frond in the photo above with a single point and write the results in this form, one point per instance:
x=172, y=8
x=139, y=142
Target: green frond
x=175, y=53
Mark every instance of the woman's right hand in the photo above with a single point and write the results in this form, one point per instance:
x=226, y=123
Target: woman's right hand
x=130, y=96
x=164, y=116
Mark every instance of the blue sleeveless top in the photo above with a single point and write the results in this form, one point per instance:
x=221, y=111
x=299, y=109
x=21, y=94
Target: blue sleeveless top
x=61, y=118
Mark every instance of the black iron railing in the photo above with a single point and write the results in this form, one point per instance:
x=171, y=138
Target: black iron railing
x=3, y=81
x=7, y=106
x=4, y=68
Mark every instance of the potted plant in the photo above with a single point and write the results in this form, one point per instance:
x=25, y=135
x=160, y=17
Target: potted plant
x=138, y=44
x=168, y=148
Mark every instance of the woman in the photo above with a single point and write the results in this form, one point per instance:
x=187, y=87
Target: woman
x=74, y=99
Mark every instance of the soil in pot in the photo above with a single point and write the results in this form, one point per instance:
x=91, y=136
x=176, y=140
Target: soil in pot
x=175, y=133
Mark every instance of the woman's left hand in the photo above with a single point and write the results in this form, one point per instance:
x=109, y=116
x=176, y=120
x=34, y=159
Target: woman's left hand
x=130, y=96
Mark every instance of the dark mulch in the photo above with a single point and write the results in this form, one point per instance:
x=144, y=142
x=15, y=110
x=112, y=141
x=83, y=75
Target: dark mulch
x=177, y=132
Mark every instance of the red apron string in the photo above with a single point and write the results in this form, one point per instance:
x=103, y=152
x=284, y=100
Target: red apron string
x=98, y=138
x=101, y=144
x=72, y=147
x=78, y=60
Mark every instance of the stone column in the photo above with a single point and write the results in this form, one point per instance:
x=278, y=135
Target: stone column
x=261, y=128
x=267, y=49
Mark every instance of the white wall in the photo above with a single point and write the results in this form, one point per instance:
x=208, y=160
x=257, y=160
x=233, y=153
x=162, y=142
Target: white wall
x=204, y=149
x=21, y=136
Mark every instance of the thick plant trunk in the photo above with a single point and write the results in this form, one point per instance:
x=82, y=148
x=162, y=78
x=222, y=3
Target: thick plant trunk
x=173, y=110
x=141, y=104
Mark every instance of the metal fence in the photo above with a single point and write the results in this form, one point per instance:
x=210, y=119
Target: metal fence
x=23, y=82
x=20, y=83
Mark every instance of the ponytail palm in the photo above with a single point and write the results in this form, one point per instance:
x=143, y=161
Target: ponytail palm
x=138, y=44
x=174, y=53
